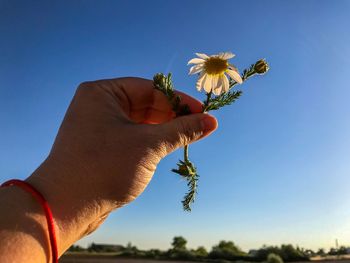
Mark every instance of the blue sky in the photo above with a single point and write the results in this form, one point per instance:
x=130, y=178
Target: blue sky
x=277, y=169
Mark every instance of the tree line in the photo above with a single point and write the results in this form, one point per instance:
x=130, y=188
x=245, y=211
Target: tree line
x=224, y=250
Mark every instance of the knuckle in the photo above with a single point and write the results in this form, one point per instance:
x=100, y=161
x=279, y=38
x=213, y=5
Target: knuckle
x=86, y=87
x=149, y=134
x=189, y=132
x=161, y=145
x=160, y=140
x=184, y=138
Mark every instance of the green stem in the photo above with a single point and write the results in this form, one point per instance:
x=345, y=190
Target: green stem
x=186, y=154
x=244, y=78
x=206, y=103
x=249, y=74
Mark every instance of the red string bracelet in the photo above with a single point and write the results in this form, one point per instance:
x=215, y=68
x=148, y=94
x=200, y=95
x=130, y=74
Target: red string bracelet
x=49, y=218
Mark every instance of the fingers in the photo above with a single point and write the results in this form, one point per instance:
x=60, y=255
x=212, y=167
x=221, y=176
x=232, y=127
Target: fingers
x=161, y=110
x=156, y=111
x=185, y=130
x=195, y=105
x=143, y=103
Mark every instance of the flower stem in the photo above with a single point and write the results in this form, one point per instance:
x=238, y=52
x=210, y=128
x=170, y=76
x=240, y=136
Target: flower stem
x=247, y=73
x=186, y=153
x=207, y=101
x=208, y=98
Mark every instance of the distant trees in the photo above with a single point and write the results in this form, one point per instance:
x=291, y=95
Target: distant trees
x=226, y=250
x=340, y=251
x=154, y=253
x=200, y=252
x=343, y=250
x=286, y=252
x=179, y=250
x=333, y=251
x=179, y=243
x=76, y=248
x=321, y=252
x=273, y=258
x=309, y=253
x=99, y=248
x=130, y=250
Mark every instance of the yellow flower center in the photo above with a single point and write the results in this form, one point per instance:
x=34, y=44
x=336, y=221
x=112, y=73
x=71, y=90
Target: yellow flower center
x=215, y=65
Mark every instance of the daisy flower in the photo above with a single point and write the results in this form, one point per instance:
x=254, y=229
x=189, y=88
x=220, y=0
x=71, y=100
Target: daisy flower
x=213, y=70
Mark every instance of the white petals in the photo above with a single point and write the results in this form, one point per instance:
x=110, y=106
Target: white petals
x=226, y=84
x=232, y=67
x=220, y=83
x=195, y=61
x=217, y=91
x=218, y=87
x=212, y=77
x=226, y=55
x=214, y=81
x=195, y=69
x=207, y=83
x=199, y=83
x=234, y=75
x=202, y=55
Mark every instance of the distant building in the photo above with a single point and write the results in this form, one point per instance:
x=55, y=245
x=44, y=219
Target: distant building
x=105, y=248
x=253, y=252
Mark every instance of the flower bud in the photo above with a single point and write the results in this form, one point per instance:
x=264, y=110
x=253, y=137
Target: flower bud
x=261, y=66
x=159, y=80
x=185, y=169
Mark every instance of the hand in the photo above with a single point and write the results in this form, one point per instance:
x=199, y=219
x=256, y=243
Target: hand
x=114, y=134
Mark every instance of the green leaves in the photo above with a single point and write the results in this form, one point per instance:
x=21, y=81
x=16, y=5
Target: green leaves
x=191, y=194
x=187, y=170
x=222, y=100
x=165, y=84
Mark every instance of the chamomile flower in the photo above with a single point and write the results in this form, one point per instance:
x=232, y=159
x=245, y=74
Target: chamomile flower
x=212, y=72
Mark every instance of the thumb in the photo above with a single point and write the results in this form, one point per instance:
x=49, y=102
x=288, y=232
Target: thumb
x=185, y=130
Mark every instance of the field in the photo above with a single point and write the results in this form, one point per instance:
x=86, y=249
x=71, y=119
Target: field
x=113, y=260
x=109, y=259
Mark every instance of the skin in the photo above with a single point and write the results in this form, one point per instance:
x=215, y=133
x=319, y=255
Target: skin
x=114, y=134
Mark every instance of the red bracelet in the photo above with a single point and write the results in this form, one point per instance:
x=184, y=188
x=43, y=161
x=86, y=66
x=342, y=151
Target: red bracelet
x=49, y=218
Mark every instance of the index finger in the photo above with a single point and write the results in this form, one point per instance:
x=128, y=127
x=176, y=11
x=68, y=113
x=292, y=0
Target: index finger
x=140, y=94
x=195, y=105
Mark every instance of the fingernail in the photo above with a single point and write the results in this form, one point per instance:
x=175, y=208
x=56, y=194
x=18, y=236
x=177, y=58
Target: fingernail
x=209, y=123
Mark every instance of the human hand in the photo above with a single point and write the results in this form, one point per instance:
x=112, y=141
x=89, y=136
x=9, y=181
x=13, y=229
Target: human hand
x=114, y=134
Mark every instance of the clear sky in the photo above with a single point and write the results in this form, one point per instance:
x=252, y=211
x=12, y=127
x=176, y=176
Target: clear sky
x=278, y=168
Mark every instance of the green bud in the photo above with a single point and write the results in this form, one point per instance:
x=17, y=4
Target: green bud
x=261, y=66
x=159, y=80
x=185, y=169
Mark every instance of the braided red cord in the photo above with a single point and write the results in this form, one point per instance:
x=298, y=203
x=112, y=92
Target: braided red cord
x=49, y=218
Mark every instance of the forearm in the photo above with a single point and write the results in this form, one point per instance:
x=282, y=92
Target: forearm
x=76, y=210
x=23, y=228
x=24, y=235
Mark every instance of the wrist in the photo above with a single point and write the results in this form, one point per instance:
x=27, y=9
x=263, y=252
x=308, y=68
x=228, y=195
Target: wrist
x=75, y=213
x=24, y=227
